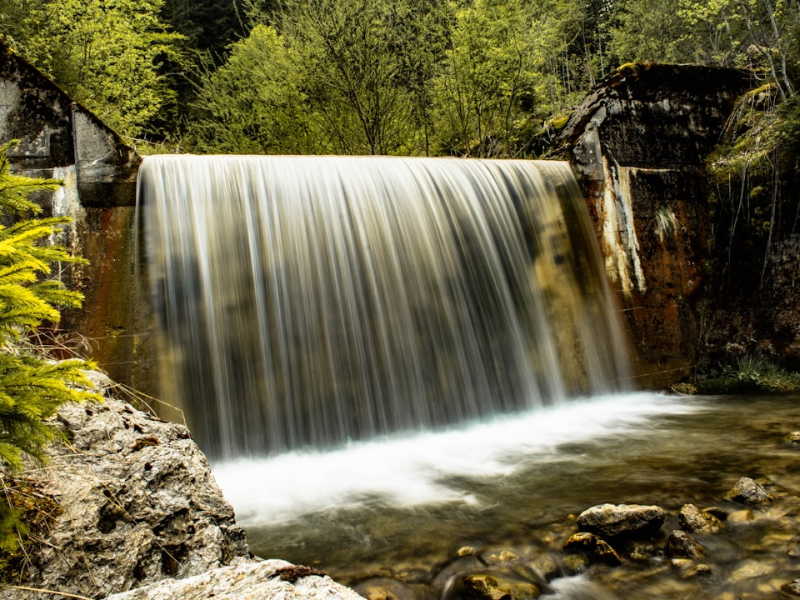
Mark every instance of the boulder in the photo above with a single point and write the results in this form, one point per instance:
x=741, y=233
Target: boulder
x=137, y=502
x=693, y=520
x=748, y=491
x=249, y=580
x=681, y=545
x=622, y=520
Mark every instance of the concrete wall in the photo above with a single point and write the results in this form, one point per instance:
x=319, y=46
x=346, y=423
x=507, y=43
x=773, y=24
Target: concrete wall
x=639, y=143
x=61, y=139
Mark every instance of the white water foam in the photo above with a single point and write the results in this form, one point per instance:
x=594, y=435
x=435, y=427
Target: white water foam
x=408, y=470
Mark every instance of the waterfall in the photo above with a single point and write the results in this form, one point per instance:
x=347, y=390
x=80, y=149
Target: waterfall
x=308, y=301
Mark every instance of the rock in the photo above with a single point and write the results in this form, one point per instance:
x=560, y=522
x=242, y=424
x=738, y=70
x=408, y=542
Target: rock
x=793, y=438
x=383, y=588
x=793, y=588
x=574, y=564
x=751, y=570
x=740, y=517
x=609, y=520
x=683, y=389
x=604, y=553
x=138, y=502
x=681, y=545
x=504, y=557
x=486, y=586
x=749, y=492
x=634, y=142
x=701, y=570
x=464, y=564
x=594, y=548
x=794, y=548
x=546, y=567
x=694, y=520
x=639, y=550
x=682, y=564
x=581, y=542
x=252, y=580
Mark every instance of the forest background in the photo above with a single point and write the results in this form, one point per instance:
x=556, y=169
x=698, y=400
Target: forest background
x=480, y=78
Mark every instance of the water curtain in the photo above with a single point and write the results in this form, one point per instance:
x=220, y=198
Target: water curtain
x=308, y=301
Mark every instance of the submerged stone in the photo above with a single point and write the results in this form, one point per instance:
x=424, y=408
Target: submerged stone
x=595, y=549
x=793, y=588
x=546, y=566
x=622, y=520
x=751, y=570
x=794, y=548
x=574, y=564
x=384, y=588
x=500, y=558
x=793, y=438
x=485, y=586
x=701, y=570
x=639, y=550
x=748, y=491
x=741, y=517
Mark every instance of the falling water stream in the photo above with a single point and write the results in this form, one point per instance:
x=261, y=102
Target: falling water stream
x=391, y=359
x=308, y=301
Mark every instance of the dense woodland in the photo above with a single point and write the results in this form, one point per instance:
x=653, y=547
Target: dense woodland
x=418, y=77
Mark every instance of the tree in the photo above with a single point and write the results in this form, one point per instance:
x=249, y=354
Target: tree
x=32, y=387
x=508, y=65
x=649, y=31
x=351, y=72
x=207, y=25
x=253, y=103
x=109, y=55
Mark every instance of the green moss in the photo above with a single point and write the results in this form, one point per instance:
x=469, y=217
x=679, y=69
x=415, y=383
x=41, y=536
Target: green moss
x=558, y=122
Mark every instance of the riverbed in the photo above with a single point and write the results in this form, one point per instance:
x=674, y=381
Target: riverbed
x=503, y=495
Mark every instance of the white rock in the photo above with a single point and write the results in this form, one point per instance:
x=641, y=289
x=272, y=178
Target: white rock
x=247, y=581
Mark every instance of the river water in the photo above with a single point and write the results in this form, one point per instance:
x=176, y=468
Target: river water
x=403, y=506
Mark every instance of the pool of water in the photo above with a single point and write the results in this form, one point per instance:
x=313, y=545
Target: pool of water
x=402, y=508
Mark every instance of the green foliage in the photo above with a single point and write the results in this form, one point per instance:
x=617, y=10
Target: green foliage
x=750, y=374
x=31, y=387
x=349, y=60
x=110, y=56
x=393, y=77
x=253, y=103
